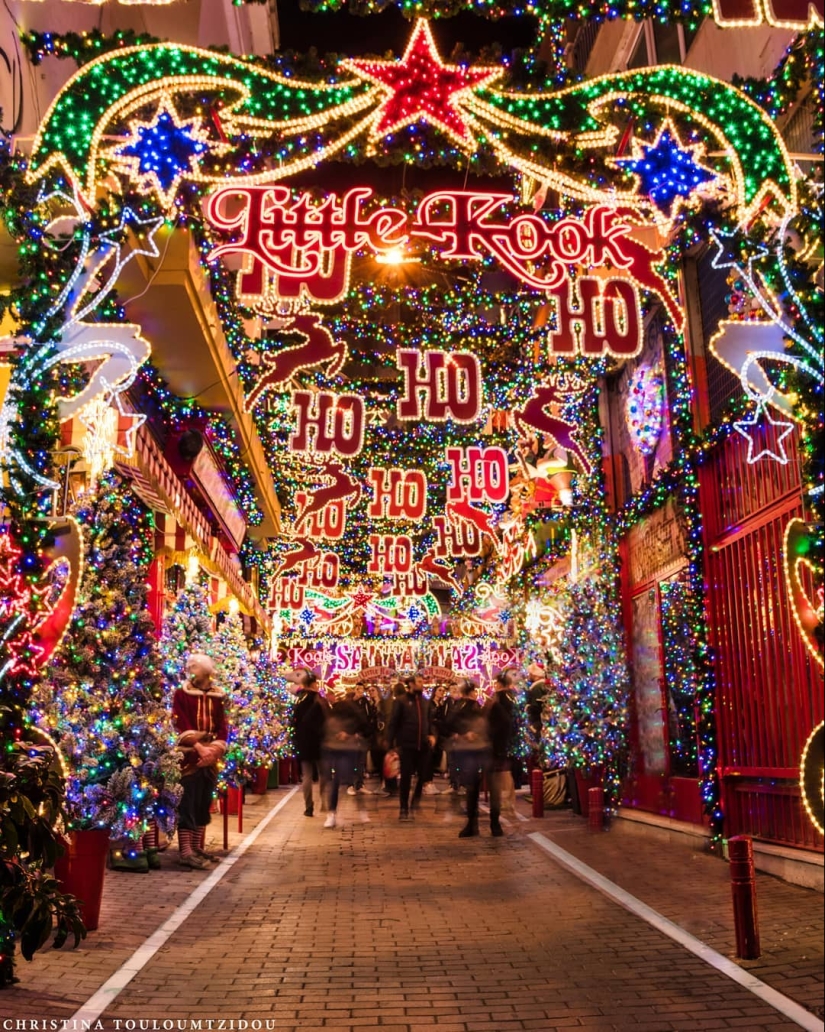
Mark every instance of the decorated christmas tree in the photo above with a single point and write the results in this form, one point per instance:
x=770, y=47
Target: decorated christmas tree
x=187, y=628
x=277, y=698
x=585, y=711
x=247, y=725
x=102, y=695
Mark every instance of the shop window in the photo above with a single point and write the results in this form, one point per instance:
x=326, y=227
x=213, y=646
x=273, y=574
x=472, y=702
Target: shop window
x=638, y=410
x=660, y=44
x=175, y=579
x=681, y=676
x=665, y=678
x=647, y=676
x=582, y=46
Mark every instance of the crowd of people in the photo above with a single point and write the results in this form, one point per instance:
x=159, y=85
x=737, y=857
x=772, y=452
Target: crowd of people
x=404, y=735
x=407, y=736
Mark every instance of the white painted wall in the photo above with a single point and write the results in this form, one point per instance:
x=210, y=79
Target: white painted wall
x=246, y=29
x=747, y=51
x=722, y=53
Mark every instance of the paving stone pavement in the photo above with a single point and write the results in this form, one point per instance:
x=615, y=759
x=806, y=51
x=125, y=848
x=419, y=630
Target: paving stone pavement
x=693, y=889
x=401, y=927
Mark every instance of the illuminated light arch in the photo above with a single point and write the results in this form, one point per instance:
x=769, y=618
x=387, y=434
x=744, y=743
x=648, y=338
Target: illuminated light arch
x=187, y=69
x=114, y=86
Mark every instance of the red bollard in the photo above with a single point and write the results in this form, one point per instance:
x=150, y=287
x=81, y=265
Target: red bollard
x=743, y=887
x=225, y=812
x=537, y=791
x=595, y=807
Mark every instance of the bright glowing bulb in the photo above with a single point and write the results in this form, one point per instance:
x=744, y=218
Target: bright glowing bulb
x=192, y=569
x=396, y=256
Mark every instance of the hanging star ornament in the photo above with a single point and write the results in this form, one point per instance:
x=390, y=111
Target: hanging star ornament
x=668, y=173
x=750, y=428
x=157, y=155
x=141, y=239
x=736, y=250
x=420, y=88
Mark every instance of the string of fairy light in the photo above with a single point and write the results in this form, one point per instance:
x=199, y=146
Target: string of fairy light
x=439, y=316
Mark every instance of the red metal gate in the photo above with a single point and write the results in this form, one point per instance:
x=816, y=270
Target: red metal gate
x=769, y=691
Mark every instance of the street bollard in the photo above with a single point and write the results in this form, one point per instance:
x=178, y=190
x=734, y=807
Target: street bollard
x=595, y=809
x=225, y=810
x=537, y=790
x=743, y=887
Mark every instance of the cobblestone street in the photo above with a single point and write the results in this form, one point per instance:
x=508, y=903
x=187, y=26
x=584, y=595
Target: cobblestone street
x=405, y=927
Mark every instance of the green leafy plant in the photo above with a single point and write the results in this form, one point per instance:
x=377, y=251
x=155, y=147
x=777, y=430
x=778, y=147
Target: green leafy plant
x=31, y=903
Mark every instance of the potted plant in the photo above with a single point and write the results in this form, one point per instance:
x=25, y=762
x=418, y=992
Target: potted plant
x=32, y=904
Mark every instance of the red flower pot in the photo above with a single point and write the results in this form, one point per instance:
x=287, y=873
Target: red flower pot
x=592, y=777
x=259, y=782
x=81, y=869
x=231, y=800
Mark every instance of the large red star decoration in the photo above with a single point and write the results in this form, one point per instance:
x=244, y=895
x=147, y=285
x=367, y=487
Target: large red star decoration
x=361, y=598
x=419, y=87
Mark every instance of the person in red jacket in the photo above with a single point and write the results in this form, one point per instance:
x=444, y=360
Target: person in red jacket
x=200, y=720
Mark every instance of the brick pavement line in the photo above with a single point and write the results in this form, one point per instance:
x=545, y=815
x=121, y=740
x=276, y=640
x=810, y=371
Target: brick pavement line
x=97, y=1003
x=786, y=1006
x=506, y=820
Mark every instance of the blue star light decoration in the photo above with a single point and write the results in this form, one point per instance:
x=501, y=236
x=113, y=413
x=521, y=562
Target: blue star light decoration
x=736, y=250
x=755, y=427
x=306, y=616
x=669, y=174
x=158, y=154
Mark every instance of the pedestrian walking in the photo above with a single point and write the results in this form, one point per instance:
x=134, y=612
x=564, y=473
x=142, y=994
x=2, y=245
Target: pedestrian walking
x=502, y=724
x=370, y=716
x=452, y=700
x=438, y=699
x=199, y=717
x=412, y=733
x=308, y=719
x=378, y=738
x=345, y=745
x=467, y=731
x=536, y=695
x=392, y=763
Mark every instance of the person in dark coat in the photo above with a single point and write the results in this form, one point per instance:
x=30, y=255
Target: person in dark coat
x=308, y=718
x=412, y=733
x=378, y=740
x=536, y=695
x=370, y=715
x=346, y=733
x=438, y=707
x=501, y=717
x=467, y=732
x=392, y=763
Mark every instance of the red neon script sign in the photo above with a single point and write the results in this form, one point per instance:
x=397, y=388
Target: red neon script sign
x=298, y=247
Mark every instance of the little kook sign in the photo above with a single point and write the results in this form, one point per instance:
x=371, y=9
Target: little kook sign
x=296, y=248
